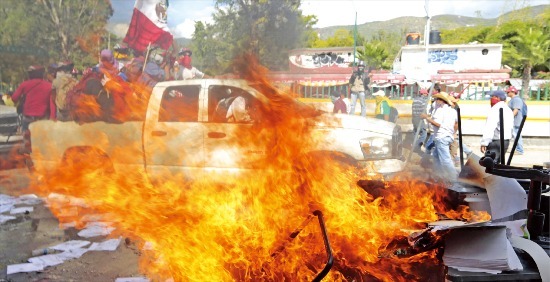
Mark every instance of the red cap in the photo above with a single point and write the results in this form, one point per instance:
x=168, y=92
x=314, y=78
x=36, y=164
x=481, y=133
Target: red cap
x=456, y=95
x=512, y=89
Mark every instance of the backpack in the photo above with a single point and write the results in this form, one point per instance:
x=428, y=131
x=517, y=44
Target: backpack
x=394, y=114
x=67, y=84
x=72, y=96
x=221, y=109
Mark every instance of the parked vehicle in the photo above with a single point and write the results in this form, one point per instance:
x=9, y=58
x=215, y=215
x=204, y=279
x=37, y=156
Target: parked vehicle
x=180, y=134
x=11, y=137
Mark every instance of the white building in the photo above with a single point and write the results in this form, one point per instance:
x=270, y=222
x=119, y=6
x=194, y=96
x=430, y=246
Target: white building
x=451, y=64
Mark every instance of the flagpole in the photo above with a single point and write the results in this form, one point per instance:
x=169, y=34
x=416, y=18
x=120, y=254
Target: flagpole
x=146, y=56
x=355, y=39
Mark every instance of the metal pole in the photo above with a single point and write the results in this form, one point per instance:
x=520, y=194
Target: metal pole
x=516, y=140
x=146, y=56
x=502, y=150
x=415, y=139
x=461, y=150
x=355, y=39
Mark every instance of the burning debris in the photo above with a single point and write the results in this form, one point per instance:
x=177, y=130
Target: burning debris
x=258, y=225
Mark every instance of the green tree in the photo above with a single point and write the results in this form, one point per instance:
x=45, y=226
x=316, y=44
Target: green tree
x=267, y=28
x=375, y=55
x=64, y=29
x=529, y=48
x=341, y=38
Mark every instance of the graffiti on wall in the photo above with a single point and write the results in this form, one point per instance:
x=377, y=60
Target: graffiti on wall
x=319, y=60
x=443, y=56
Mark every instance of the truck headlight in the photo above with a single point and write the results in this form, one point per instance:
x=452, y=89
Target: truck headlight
x=375, y=147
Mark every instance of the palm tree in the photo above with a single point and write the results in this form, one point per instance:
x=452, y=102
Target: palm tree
x=529, y=48
x=375, y=56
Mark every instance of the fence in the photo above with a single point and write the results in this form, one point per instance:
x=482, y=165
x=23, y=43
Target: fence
x=407, y=92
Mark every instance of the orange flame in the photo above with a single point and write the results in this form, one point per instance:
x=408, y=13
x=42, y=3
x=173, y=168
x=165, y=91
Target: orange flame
x=240, y=230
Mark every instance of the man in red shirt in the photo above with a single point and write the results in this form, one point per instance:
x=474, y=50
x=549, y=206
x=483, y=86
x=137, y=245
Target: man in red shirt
x=37, y=96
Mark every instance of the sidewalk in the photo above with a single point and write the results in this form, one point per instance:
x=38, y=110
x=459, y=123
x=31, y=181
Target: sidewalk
x=536, y=150
x=533, y=155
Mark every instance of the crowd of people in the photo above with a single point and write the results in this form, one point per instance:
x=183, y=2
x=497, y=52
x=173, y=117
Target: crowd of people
x=117, y=89
x=436, y=125
x=114, y=90
x=435, y=121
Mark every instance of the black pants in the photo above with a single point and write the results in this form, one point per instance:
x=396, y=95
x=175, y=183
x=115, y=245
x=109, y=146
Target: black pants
x=494, y=147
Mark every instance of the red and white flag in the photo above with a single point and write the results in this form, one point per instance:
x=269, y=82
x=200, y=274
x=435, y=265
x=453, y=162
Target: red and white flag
x=149, y=25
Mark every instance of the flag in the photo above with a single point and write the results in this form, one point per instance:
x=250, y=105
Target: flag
x=149, y=25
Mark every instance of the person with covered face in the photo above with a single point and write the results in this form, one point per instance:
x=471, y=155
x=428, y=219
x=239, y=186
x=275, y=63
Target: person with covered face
x=184, y=68
x=358, y=83
x=490, y=141
x=443, y=121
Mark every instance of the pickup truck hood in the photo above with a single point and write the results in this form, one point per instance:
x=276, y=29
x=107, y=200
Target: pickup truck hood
x=355, y=122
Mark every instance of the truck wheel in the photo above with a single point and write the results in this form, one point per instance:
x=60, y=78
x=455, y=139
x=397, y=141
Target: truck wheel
x=83, y=159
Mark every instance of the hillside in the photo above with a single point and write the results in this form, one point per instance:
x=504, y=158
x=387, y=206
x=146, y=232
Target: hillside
x=403, y=25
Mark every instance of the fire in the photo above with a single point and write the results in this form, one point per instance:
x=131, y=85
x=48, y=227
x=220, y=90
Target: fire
x=259, y=225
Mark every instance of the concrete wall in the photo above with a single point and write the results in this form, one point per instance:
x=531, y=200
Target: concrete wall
x=448, y=57
x=473, y=114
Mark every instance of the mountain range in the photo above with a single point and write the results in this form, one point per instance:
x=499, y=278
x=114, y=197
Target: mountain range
x=400, y=25
x=403, y=25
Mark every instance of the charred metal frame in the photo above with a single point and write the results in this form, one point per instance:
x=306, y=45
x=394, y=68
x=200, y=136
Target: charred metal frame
x=328, y=248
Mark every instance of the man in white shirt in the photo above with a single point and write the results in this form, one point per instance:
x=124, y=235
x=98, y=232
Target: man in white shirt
x=443, y=122
x=238, y=111
x=184, y=68
x=490, y=141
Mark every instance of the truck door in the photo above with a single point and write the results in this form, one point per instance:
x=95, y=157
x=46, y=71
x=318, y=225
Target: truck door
x=233, y=141
x=173, y=134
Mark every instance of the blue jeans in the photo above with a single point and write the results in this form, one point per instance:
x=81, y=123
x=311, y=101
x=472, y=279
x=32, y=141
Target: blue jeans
x=354, y=102
x=443, y=160
x=422, y=135
x=519, y=146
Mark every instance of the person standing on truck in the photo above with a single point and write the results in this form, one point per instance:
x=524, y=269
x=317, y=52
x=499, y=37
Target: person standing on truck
x=155, y=69
x=36, y=96
x=184, y=69
x=63, y=82
x=358, y=82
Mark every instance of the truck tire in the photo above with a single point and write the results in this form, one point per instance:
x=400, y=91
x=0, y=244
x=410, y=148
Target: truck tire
x=84, y=159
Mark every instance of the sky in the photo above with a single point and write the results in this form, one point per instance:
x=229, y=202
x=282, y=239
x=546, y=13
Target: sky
x=182, y=14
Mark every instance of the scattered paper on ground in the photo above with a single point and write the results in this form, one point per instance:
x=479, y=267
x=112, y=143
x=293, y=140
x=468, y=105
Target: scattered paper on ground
x=21, y=210
x=94, y=229
x=6, y=218
x=69, y=245
x=132, y=279
x=108, y=245
x=24, y=267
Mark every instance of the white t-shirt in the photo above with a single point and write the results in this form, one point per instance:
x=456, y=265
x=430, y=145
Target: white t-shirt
x=491, y=130
x=237, y=111
x=446, y=117
x=185, y=73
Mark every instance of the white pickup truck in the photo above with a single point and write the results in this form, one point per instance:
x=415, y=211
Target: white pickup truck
x=180, y=135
